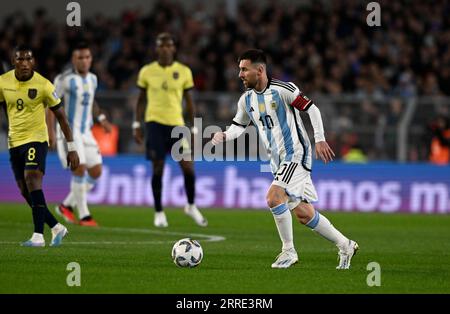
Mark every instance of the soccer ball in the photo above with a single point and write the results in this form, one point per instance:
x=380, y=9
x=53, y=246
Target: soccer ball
x=187, y=253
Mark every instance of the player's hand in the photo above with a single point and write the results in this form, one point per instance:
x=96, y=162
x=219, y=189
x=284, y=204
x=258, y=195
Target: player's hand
x=137, y=134
x=324, y=152
x=218, y=137
x=72, y=160
x=106, y=126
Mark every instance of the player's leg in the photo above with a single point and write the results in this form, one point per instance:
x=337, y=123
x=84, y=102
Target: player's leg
x=94, y=170
x=277, y=202
x=160, y=219
x=93, y=173
x=191, y=209
x=18, y=157
x=79, y=190
x=49, y=218
x=66, y=208
x=34, y=170
x=24, y=191
x=308, y=216
x=156, y=152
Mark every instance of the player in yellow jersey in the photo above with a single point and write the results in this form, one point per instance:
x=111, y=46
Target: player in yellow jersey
x=26, y=94
x=164, y=83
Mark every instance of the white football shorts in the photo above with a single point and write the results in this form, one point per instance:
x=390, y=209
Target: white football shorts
x=87, y=149
x=297, y=183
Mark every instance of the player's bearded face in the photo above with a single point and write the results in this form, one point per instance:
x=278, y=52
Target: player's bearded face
x=24, y=63
x=248, y=73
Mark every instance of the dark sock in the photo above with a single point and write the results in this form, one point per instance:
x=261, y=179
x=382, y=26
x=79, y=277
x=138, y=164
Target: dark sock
x=27, y=197
x=38, y=208
x=189, y=185
x=37, y=197
x=50, y=220
x=157, y=188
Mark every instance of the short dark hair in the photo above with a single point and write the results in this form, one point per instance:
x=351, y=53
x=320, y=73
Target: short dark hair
x=165, y=37
x=22, y=47
x=254, y=55
x=81, y=45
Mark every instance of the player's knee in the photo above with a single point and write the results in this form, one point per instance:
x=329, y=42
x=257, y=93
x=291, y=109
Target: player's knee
x=273, y=200
x=80, y=171
x=158, y=168
x=95, y=172
x=275, y=197
x=188, y=171
x=33, y=180
x=302, y=213
x=23, y=189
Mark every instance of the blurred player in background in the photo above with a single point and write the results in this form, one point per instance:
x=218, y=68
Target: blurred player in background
x=274, y=108
x=77, y=87
x=25, y=94
x=163, y=84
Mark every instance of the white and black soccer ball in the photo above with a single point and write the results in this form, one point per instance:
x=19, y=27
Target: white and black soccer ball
x=187, y=253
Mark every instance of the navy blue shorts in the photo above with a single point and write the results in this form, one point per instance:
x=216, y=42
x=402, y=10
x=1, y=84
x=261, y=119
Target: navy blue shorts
x=30, y=156
x=159, y=141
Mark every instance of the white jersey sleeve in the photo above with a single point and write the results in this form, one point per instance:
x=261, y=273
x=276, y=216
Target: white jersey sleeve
x=294, y=97
x=60, y=85
x=95, y=81
x=241, y=118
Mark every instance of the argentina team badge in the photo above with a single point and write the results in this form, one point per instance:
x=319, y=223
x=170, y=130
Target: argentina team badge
x=32, y=93
x=262, y=107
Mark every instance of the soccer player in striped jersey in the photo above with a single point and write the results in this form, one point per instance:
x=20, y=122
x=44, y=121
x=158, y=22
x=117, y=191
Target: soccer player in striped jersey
x=274, y=106
x=77, y=87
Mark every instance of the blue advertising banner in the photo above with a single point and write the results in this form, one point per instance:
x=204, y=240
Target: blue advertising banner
x=372, y=187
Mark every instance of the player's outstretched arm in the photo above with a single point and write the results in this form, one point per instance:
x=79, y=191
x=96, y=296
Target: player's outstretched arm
x=72, y=156
x=139, y=116
x=234, y=131
x=323, y=150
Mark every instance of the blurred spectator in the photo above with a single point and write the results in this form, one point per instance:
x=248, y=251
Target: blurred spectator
x=325, y=47
x=440, y=142
x=108, y=142
x=355, y=155
x=334, y=52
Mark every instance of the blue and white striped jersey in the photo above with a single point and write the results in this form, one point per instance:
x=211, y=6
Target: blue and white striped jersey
x=279, y=124
x=78, y=94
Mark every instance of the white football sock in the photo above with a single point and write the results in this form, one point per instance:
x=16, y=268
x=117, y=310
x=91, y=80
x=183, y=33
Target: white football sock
x=70, y=198
x=90, y=183
x=283, y=220
x=80, y=195
x=37, y=237
x=323, y=226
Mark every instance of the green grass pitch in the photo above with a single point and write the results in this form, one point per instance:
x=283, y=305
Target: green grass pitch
x=128, y=255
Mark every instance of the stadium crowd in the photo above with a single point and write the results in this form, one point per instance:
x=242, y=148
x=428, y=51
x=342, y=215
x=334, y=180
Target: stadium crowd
x=325, y=47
